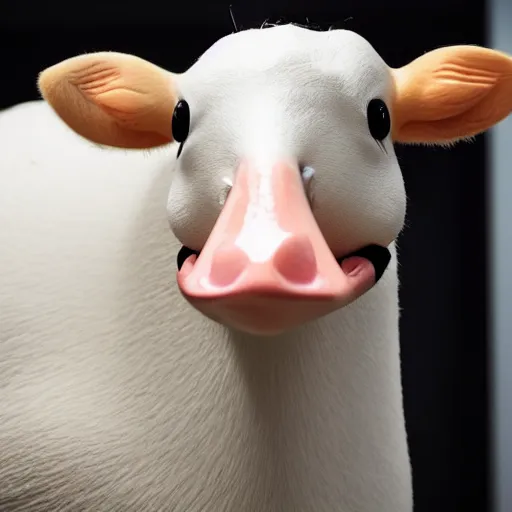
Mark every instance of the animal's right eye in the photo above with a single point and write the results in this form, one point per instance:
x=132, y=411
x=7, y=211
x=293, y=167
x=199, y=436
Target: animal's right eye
x=180, y=121
x=379, y=120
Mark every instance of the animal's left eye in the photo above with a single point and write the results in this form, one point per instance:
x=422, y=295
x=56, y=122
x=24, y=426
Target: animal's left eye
x=180, y=121
x=379, y=121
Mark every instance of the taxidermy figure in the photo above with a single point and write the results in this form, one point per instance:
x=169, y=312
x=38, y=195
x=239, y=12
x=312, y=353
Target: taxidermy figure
x=247, y=361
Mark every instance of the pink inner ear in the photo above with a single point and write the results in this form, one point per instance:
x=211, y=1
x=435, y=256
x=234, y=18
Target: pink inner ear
x=112, y=99
x=451, y=93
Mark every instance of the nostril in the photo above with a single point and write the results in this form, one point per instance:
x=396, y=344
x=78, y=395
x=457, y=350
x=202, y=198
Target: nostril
x=295, y=260
x=228, y=263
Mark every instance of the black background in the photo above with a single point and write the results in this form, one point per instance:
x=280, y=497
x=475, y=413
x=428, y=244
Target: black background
x=443, y=249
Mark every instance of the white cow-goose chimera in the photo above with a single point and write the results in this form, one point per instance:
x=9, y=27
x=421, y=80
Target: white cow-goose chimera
x=265, y=376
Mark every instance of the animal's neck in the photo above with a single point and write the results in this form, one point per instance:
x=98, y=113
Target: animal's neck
x=349, y=359
x=322, y=408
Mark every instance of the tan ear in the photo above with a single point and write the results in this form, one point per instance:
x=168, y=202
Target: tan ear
x=451, y=93
x=112, y=98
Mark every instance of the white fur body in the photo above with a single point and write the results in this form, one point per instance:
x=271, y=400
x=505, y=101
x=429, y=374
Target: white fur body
x=116, y=395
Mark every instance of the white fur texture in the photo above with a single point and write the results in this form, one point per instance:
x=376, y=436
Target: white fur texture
x=115, y=394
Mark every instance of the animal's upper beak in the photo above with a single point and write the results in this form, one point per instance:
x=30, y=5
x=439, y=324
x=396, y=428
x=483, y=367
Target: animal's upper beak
x=266, y=266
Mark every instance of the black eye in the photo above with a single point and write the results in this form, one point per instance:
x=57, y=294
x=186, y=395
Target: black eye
x=379, y=121
x=180, y=121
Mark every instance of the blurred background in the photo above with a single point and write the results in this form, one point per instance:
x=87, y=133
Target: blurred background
x=455, y=284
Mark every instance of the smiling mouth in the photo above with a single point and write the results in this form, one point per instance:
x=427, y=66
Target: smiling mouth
x=377, y=255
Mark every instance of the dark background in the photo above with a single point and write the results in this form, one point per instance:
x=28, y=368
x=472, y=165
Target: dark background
x=443, y=249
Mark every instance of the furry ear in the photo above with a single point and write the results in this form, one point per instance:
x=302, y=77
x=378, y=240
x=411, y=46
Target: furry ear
x=112, y=98
x=451, y=93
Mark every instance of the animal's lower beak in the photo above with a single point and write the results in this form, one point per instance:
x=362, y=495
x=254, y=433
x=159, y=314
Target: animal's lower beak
x=266, y=266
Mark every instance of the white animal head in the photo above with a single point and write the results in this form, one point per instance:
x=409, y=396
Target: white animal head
x=286, y=181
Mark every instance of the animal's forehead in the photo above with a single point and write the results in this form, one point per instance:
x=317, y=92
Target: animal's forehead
x=289, y=47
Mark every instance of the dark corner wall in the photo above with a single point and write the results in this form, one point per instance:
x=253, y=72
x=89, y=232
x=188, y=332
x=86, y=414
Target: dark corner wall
x=442, y=250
